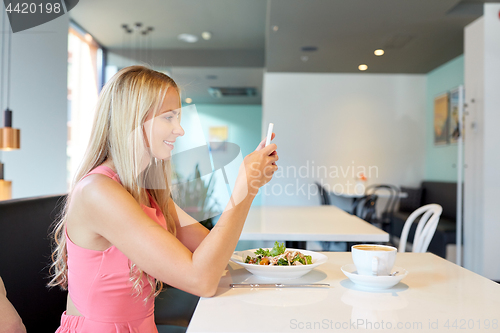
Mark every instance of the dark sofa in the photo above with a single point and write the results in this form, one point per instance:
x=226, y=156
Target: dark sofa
x=24, y=259
x=442, y=193
x=24, y=262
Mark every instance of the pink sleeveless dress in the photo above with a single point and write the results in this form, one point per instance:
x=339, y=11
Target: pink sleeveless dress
x=99, y=286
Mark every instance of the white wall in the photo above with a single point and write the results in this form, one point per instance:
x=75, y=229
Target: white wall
x=348, y=121
x=473, y=145
x=482, y=139
x=39, y=104
x=491, y=140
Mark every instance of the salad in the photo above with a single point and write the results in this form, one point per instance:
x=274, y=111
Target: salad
x=279, y=256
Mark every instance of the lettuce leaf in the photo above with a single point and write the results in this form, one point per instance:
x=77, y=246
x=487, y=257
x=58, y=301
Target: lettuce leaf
x=262, y=252
x=283, y=262
x=278, y=249
x=299, y=259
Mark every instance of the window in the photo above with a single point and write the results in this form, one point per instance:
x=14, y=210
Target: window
x=85, y=63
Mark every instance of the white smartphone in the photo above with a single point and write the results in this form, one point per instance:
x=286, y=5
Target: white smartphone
x=269, y=133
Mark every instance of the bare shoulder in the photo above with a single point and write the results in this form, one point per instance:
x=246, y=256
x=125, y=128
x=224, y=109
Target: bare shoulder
x=97, y=189
x=97, y=200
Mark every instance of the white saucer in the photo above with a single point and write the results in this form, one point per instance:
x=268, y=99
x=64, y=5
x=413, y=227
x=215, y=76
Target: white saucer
x=374, y=282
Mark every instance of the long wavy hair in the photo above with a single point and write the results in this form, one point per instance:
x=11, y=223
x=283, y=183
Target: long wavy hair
x=123, y=106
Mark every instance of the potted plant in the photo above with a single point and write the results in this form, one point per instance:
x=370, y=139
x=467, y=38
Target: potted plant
x=195, y=197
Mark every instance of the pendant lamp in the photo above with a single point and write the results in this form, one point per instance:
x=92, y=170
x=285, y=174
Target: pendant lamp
x=9, y=137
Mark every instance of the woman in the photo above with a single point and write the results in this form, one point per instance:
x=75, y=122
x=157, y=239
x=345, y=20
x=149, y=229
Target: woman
x=116, y=241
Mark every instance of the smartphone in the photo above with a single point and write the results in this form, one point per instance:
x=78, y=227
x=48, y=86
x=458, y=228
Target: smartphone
x=269, y=133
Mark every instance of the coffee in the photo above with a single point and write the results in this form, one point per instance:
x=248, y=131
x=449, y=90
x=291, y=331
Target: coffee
x=373, y=259
x=373, y=248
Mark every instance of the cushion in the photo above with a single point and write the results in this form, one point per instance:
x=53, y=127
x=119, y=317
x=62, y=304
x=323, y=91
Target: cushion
x=412, y=201
x=442, y=193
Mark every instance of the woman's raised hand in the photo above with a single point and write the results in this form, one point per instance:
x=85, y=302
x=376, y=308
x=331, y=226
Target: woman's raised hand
x=260, y=166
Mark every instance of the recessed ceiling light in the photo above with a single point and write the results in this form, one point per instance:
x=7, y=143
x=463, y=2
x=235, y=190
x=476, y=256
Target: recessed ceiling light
x=188, y=38
x=363, y=67
x=309, y=48
x=275, y=28
x=206, y=35
x=379, y=52
x=304, y=58
x=211, y=77
x=188, y=100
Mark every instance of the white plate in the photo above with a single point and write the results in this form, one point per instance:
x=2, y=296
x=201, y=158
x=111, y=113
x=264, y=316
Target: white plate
x=374, y=282
x=278, y=272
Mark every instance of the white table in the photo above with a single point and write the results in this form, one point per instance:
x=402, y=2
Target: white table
x=436, y=296
x=308, y=223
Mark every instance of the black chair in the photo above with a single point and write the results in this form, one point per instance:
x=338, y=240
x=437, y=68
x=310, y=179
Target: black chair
x=323, y=195
x=386, y=218
x=365, y=207
x=174, y=309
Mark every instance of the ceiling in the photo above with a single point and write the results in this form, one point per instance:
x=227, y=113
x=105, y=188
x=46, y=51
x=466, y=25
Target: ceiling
x=250, y=37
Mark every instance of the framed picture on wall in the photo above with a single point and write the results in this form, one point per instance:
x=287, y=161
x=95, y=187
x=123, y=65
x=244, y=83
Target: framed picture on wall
x=441, y=104
x=217, y=135
x=453, y=124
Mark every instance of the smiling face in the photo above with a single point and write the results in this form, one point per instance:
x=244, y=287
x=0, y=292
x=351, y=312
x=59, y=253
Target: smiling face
x=163, y=128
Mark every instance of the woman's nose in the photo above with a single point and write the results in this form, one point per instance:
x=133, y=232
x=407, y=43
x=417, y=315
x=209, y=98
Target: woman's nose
x=179, y=130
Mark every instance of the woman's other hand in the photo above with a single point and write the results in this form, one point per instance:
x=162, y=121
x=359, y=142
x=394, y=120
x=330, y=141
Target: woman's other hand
x=10, y=322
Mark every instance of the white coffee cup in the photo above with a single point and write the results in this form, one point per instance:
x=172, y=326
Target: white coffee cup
x=372, y=259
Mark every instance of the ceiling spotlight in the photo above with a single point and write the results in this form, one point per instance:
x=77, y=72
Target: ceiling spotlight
x=275, y=28
x=363, y=67
x=88, y=37
x=188, y=38
x=151, y=28
x=304, y=58
x=379, y=52
x=138, y=26
x=211, y=77
x=309, y=48
x=206, y=35
x=188, y=100
x=125, y=26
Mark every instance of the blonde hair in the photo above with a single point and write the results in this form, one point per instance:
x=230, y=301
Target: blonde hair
x=123, y=106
